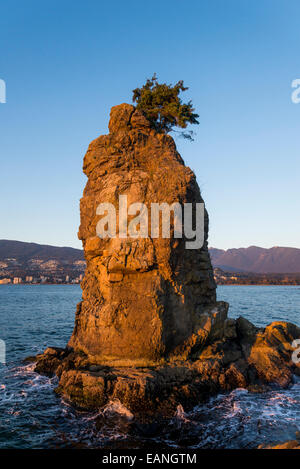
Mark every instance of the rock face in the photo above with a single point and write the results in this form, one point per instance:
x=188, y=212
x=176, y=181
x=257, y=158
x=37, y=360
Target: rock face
x=239, y=356
x=143, y=298
x=149, y=331
x=291, y=444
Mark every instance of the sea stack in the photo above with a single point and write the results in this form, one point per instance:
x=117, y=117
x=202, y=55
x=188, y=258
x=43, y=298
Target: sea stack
x=149, y=331
x=144, y=299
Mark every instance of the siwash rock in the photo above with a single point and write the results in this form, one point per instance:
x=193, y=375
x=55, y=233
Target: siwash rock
x=143, y=298
x=148, y=330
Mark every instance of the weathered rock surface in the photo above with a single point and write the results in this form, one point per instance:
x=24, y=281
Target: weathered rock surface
x=290, y=444
x=149, y=331
x=142, y=298
x=250, y=358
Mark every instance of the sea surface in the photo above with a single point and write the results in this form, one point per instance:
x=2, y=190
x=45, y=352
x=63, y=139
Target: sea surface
x=33, y=317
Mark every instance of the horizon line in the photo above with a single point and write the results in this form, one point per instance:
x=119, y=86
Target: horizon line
x=209, y=247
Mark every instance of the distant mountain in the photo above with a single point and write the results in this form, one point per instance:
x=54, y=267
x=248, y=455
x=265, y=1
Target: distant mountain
x=256, y=259
x=22, y=252
x=252, y=259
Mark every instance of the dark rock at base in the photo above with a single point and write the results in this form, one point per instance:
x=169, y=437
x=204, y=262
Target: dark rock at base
x=50, y=360
x=30, y=359
x=290, y=444
x=245, y=360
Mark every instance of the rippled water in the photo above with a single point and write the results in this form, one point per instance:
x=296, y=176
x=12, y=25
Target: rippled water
x=32, y=416
x=262, y=304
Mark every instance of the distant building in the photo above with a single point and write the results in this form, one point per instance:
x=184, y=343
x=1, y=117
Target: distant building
x=12, y=262
x=57, y=280
x=17, y=280
x=35, y=261
x=51, y=265
x=81, y=264
x=67, y=278
x=5, y=281
x=29, y=279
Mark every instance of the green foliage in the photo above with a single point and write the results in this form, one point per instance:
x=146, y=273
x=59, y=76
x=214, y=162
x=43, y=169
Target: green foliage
x=161, y=104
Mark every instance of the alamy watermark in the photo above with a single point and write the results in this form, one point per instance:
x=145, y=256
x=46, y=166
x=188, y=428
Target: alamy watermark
x=295, y=96
x=296, y=353
x=2, y=352
x=2, y=91
x=188, y=221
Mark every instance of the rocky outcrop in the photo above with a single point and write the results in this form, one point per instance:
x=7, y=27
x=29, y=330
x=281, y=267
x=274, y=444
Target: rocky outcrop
x=290, y=444
x=240, y=356
x=143, y=298
x=149, y=331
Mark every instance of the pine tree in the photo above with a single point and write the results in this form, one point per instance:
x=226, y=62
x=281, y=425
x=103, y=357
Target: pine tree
x=163, y=107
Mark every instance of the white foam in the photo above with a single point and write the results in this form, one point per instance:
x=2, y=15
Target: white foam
x=116, y=407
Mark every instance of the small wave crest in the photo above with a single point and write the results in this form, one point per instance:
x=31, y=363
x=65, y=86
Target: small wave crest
x=115, y=407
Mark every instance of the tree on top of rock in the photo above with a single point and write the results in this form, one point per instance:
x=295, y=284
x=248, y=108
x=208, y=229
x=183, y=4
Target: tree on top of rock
x=163, y=107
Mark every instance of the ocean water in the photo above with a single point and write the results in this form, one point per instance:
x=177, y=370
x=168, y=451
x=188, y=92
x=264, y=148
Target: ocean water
x=32, y=416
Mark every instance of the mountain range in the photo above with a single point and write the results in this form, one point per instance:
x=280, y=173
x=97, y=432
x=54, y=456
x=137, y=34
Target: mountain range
x=257, y=260
x=251, y=259
x=22, y=252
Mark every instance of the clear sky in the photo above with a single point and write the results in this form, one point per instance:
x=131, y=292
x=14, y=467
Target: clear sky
x=65, y=63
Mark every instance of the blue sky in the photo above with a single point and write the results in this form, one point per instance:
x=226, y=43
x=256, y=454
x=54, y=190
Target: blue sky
x=65, y=63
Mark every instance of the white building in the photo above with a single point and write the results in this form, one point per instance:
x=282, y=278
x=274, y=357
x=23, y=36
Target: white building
x=5, y=281
x=17, y=280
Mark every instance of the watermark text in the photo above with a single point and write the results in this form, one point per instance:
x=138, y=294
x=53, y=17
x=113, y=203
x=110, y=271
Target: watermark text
x=2, y=91
x=162, y=220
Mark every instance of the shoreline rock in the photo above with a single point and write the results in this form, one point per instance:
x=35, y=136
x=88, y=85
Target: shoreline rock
x=290, y=444
x=149, y=331
x=243, y=360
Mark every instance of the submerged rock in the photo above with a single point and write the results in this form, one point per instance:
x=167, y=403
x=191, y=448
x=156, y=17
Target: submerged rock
x=149, y=331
